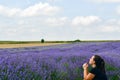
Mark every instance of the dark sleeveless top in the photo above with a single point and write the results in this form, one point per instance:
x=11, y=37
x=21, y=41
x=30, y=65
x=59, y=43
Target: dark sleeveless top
x=99, y=75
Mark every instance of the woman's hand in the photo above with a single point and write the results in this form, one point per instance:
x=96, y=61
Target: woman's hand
x=85, y=66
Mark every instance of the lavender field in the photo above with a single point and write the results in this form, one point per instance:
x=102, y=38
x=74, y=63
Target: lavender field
x=58, y=62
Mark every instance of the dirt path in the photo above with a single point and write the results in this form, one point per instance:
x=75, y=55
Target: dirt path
x=27, y=45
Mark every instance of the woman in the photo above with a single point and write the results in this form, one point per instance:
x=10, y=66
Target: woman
x=98, y=69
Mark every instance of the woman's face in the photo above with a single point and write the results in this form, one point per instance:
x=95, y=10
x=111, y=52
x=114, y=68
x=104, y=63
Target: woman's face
x=91, y=61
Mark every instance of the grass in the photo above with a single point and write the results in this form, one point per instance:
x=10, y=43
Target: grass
x=27, y=42
x=27, y=45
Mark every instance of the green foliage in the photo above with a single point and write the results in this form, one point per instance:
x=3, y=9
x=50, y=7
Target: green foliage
x=59, y=59
x=115, y=77
x=42, y=40
x=54, y=75
x=66, y=65
x=111, y=67
x=77, y=40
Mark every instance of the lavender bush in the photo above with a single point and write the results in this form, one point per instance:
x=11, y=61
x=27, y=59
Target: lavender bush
x=60, y=62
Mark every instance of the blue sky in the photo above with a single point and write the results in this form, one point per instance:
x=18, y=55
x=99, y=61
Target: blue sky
x=59, y=19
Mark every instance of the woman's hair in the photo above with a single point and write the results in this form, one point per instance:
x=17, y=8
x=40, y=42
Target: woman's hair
x=100, y=64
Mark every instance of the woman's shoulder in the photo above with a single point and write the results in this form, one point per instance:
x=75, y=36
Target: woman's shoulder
x=98, y=74
x=94, y=70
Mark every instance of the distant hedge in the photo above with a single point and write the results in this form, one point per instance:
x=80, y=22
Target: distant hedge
x=42, y=40
x=77, y=40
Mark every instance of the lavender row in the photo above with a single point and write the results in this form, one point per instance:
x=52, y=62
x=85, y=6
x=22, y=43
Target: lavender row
x=60, y=62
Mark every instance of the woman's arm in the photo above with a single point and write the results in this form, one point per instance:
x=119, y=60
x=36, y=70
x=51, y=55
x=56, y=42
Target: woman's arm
x=87, y=75
x=85, y=72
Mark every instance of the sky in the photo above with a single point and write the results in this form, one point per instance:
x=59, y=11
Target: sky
x=32, y=20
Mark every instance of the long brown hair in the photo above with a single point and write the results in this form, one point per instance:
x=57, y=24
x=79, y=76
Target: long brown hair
x=100, y=64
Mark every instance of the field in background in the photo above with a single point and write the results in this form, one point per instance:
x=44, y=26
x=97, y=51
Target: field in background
x=27, y=45
x=58, y=62
x=17, y=44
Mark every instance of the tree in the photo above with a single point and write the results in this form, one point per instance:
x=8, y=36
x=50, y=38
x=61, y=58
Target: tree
x=42, y=40
x=77, y=40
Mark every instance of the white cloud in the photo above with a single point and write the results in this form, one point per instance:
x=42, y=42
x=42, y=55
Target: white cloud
x=8, y=12
x=85, y=20
x=33, y=30
x=113, y=22
x=11, y=32
x=56, y=21
x=106, y=1
x=111, y=25
x=37, y=29
x=118, y=10
x=38, y=9
x=110, y=28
